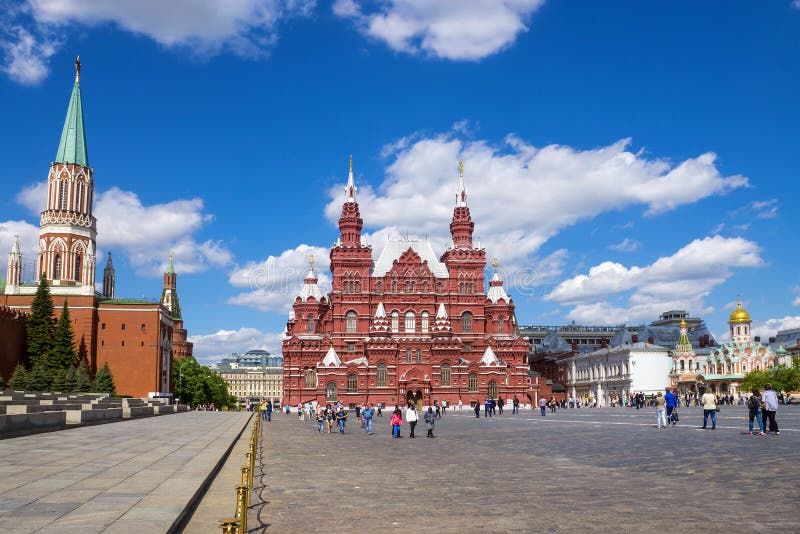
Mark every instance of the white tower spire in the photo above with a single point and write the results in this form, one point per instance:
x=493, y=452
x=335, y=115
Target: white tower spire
x=461, y=195
x=350, y=189
x=14, y=271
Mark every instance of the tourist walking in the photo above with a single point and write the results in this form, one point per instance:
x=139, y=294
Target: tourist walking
x=769, y=407
x=477, y=409
x=671, y=402
x=396, y=420
x=320, y=420
x=367, y=413
x=500, y=403
x=411, y=419
x=487, y=407
x=341, y=419
x=430, y=419
x=709, y=409
x=543, y=406
x=330, y=417
x=754, y=412
x=661, y=411
x=515, y=404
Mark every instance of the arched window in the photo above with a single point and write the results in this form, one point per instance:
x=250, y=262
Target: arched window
x=445, y=375
x=501, y=325
x=395, y=321
x=350, y=321
x=690, y=365
x=57, y=275
x=425, y=323
x=379, y=287
x=466, y=322
x=744, y=367
x=62, y=194
x=394, y=286
x=682, y=364
x=473, y=382
x=491, y=389
x=410, y=322
x=380, y=378
x=419, y=356
x=78, y=263
x=310, y=379
x=310, y=325
x=352, y=384
x=330, y=392
x=408, y=355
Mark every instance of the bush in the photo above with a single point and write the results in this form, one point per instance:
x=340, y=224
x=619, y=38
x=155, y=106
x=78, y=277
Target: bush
x=103, y=381
x=83, y=383
x=39, y=378
x=19, y=378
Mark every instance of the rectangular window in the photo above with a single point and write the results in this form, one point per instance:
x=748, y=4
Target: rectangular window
x=408, y=356
x=445, y=375
x=473, y=382
x=380, y=379
x=351, y=347
x=419, y=356
x=467, y=347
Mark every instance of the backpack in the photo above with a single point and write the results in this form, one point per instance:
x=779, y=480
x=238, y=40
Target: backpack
x=753, y=403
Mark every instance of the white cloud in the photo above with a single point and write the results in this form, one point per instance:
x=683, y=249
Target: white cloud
x=146, y=234
x=462, y=30
x=765, y=209
x=521, y=195
x=626, y=245
x=26, y=55
x=243, y=27
x=210, y=348
x=681, y=280
x=796, y=4
x=272, y=285
x=770, y=327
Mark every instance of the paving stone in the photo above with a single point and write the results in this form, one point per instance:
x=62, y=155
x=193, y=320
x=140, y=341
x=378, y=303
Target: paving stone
x=598, y=470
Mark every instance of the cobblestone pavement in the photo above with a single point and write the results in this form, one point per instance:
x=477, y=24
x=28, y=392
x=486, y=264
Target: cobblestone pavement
x=133, y=476
x=597, y=470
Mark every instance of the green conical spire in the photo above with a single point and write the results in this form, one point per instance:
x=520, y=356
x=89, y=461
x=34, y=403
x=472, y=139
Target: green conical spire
x=72, y=148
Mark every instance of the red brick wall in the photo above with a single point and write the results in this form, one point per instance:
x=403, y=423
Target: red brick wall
x=12, y=340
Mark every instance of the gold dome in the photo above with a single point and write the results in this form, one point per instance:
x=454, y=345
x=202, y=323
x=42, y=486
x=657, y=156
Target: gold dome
x=739, y=315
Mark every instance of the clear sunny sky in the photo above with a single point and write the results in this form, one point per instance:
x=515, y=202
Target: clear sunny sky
x=621, y=158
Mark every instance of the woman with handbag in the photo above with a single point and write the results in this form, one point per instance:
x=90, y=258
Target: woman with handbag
x=709, y=401
x=396, y=421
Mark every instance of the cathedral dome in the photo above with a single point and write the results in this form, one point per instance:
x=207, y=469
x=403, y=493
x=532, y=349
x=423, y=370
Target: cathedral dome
x=739, y=315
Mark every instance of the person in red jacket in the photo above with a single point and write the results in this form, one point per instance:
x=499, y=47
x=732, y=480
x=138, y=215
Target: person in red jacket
x=396, y=421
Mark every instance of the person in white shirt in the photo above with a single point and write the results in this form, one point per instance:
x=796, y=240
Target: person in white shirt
x=769, y=400
x=411, y=418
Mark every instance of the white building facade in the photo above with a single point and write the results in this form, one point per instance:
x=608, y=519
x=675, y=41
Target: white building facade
x=618, y=372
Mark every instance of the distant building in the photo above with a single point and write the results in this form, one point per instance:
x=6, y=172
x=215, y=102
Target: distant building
x=409, y=326
x=136, y=337
x=254, y=376
x=618, y=372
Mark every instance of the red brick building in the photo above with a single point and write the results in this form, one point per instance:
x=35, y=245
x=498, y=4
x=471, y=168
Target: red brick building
x=136, y=337
x=406, y=326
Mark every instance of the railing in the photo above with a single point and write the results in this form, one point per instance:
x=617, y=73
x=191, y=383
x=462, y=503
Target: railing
x=238, y=524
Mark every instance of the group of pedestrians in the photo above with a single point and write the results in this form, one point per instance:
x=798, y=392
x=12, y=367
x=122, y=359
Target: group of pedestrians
x=492, y=406
x=412, y=418
x=762, y=408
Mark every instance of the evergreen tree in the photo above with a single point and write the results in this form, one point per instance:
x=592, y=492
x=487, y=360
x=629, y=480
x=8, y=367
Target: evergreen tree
x=41, y=327
x=39, y=378
x=19, y=378
x=70, y=381
x=104, y=381
x=60, y=381
x=83, y=353
x=2, y=383
x=63, y=354
x=83, y=382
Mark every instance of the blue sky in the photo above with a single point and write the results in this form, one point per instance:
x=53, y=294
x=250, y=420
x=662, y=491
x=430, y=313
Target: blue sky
x=621, y=158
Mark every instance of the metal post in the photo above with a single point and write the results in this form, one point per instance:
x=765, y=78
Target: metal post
x=229, y=526
x=241, y=506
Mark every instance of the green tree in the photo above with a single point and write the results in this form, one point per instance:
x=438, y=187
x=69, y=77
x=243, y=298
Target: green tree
x=196, y=384
x=41, y=327
x=2, y=383
x=104, y=381
x=70, y=382
x=83, y=382
x=39, y=378
x=63, y=355
x=19, y=378
x=60, y=381
x=782, y=379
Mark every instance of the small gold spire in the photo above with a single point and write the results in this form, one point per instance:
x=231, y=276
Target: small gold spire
x=351, y=163
x=171, y=254
x=77, y=69
x=495, y=262
x=461, y=168
x=311, y=260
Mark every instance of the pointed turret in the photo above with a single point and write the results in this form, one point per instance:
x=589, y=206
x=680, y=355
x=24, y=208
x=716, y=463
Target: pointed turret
x=489, y=357
x=380, y=322
x=442, y=326
x=14, y=271
x=684, y=345
x=169, y=295
x=331, y=359
x=496, y=291
x=72, y=148
x=461, y=227
x=310, y=287
x=350, y=222
x=108, y=278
